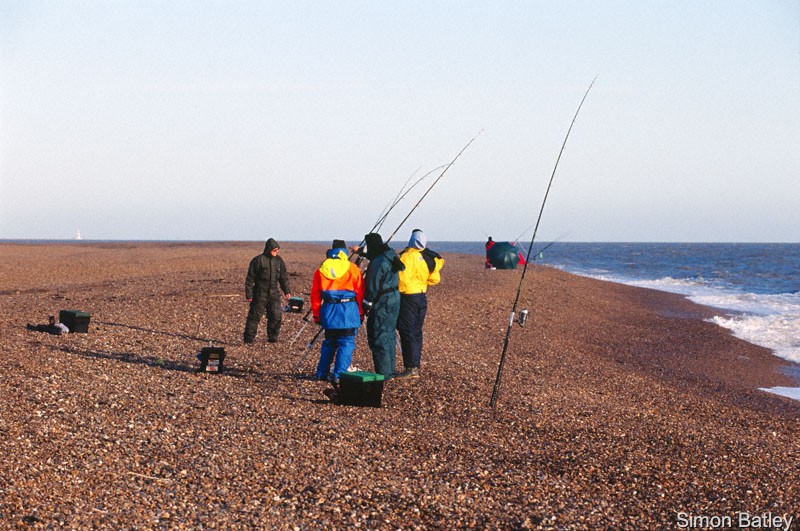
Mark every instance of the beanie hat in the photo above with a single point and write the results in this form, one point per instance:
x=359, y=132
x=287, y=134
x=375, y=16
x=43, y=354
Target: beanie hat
x=338, y=244
x=375, y=245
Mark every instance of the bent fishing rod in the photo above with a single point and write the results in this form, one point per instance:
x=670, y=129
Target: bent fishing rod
x=376, y=226
x=496, y=389
x=435, y=182
x=382, y=219
x=400, y=196
x=389, y=206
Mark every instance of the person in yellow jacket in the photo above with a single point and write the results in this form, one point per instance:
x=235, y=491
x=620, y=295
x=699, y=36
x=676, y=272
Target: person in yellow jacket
x=422, y=269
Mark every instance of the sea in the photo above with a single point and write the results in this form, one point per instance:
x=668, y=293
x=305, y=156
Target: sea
x=755, y=286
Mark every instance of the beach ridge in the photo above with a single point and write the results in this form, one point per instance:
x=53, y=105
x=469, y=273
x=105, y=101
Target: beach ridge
x=619, y=408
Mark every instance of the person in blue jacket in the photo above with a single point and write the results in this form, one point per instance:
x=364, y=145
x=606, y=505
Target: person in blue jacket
x=337, y=292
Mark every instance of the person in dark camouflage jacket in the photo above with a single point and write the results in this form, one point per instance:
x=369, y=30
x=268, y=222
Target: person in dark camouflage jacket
x=266, y=277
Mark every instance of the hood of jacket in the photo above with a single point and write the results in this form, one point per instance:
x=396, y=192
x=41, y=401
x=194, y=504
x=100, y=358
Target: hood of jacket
x=417, y=240
x=336, y=265
x=337, y=252
x=270, y=245
x=395, y=261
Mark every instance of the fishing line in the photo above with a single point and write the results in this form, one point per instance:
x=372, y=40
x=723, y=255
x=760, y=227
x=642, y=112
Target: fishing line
x=400, y=196
x=523, y=233
x=431, y=186
x=496, y=389
x=391, y=204
x=376, y=227
x=538, y=254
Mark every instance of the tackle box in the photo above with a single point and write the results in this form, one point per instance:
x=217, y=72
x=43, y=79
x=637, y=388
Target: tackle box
x=211, y=359
x=295, y=305
x=77, y=322
x=360, y=388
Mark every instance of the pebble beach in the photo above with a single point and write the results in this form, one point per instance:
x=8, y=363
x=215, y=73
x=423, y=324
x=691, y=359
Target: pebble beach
x=619, y=407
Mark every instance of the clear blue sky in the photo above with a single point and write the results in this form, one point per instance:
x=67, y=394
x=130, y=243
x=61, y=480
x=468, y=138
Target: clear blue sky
x=302, y=120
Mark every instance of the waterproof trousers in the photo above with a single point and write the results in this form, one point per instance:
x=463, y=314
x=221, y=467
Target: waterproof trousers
x=409, y=325
x=381, y=335
x=338, y=344
x=272, y=305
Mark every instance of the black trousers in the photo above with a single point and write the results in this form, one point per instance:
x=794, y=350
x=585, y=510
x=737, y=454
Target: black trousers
x=409, y=324
x=272, y=304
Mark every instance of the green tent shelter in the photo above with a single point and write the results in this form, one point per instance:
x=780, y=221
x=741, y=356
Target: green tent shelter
x=503, y=255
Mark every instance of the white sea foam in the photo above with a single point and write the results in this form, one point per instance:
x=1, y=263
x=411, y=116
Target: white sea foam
x=791, y=392
x=771, y=321
x=767, y=320
x=776, y=332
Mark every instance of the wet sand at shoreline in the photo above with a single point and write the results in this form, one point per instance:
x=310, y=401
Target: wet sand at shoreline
x=620, y=407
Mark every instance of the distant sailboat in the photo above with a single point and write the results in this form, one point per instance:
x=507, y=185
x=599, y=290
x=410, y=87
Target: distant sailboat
x=78, y=234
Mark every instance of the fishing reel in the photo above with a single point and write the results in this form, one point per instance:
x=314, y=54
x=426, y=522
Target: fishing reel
x=522, y=318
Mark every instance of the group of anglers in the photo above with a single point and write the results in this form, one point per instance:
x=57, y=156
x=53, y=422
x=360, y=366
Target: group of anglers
x=390, y=294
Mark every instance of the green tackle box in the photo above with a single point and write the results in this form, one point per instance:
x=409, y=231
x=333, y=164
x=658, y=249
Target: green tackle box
x=295, y=305
x=77, y=322
x=360, y=388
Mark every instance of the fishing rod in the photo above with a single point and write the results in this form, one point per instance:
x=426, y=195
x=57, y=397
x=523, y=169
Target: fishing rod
x=305, y=323
x=543, y=249
x=389, y=207
x=540, y=251
x=431, y=186
x=304, y=357
x=523, y=233
x=517, y=244
x=381, y=220
x=378, y=222
x=391, y=204
x=375, y=227
x=496, y=389
x=546, y=247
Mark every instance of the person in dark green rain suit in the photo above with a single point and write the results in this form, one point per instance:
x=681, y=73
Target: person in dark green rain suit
x=266, y=273
x=382, y=302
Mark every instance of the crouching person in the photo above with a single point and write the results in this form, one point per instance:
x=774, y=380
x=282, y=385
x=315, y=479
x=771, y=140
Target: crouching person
x=337, y=292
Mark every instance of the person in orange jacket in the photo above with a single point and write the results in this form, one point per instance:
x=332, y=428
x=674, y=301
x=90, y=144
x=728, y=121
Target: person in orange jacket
x=337, y=292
